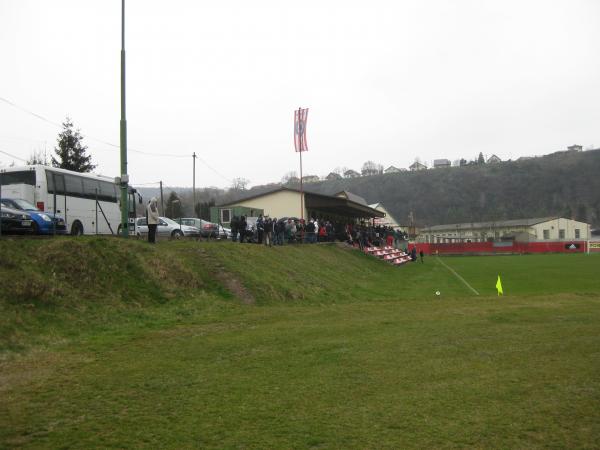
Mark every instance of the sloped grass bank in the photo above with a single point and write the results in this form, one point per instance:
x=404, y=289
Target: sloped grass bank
x=58, y=289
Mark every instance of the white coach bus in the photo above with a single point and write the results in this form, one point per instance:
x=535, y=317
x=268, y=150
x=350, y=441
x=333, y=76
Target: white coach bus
x=89, y=203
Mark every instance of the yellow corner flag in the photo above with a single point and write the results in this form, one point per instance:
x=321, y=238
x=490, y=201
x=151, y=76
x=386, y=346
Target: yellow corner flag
x=499, y=286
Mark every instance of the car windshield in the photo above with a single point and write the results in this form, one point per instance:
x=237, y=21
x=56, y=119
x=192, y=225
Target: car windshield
x=24, y=204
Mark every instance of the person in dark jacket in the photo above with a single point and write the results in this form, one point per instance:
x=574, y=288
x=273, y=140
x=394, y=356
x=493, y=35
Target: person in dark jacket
x=260, y=228
x=413, y=254
x=242, y=228
x=234, y=228
x=268, y=231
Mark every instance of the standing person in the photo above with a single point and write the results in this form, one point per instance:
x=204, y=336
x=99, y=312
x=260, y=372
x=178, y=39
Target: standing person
x=422, y=255
x=234, y=228
x=242, y=225
x=152, y=211
x=413, y=254
x=260, y=228
x=268, y=233
x=279, y=232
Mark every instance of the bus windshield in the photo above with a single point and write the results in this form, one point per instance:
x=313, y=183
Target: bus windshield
x=21, y=177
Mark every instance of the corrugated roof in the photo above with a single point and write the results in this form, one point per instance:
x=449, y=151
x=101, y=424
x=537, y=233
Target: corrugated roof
x=352, y=197
x=497, y=223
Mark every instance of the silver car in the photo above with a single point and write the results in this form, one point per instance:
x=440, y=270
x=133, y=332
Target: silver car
x=166, y=227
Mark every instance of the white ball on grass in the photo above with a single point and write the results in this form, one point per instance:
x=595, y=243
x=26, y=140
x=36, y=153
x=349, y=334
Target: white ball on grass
x=437, y=292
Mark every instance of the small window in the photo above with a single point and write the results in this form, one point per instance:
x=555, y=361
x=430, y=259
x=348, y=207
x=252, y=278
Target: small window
x=577, y=233
x=225, y=215
x=546, y=234
x=561, y=234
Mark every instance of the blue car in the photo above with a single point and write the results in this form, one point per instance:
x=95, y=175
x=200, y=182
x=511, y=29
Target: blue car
x=42, y=222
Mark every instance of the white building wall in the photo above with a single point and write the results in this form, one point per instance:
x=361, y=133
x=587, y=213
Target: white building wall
x=553, y=228
x=277, y=204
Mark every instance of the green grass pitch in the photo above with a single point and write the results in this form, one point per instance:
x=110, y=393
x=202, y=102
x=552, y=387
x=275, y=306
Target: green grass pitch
x=334, y=350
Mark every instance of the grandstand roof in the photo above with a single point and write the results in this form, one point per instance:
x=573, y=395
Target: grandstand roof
x=352, y=197
x=349, y=204
x=496, y=223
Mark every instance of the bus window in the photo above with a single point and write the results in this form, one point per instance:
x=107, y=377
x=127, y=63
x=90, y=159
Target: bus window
x=74, y=185
x=91, y=188
x=58, y=179
x=23, y=177
x=107, y=192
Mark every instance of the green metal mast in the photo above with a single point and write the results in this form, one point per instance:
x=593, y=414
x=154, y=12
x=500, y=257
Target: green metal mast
x=123, y=140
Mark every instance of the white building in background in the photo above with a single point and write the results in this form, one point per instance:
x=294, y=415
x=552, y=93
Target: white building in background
x=388, y=220
x=416, y=166
x=523, y=230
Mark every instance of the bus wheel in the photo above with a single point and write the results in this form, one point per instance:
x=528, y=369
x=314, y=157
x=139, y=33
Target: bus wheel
x=77, y=228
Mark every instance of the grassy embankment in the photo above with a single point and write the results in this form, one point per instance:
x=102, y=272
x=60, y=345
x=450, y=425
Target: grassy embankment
x=113, y=344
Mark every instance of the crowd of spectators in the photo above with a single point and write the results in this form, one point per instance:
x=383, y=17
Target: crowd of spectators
x=289, y=230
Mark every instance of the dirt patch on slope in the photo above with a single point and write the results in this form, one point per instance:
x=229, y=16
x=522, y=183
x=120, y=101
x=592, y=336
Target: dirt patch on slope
x=233, y=284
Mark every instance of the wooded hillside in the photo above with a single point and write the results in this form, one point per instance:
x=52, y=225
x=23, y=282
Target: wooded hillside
x=564, y=184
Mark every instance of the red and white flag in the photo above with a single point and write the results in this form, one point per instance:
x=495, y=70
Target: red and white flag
x=300, y=116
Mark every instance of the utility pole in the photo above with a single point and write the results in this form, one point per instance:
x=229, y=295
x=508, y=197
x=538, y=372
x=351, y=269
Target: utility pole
x=123, y=136
x=162, y=203
x=194, y=185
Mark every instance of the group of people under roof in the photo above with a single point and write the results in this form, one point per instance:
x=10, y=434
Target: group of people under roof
x=289, y=230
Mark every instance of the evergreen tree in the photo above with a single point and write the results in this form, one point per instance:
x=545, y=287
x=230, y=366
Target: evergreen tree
x=70, y=151
x=173, y=207
x=480, y=159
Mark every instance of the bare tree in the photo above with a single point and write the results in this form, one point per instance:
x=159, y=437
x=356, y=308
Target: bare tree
x=290, y=177
x=371, y=168
x=36, y=157
x=240, y=184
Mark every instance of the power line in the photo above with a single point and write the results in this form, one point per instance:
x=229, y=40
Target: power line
x=13, y=156
x=110, y=144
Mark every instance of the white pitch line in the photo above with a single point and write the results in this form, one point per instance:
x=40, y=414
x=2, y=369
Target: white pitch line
x=457, y=275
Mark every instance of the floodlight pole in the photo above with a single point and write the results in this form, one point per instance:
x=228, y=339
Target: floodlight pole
x=123, y=136
x=194, y=185
x=1, y=170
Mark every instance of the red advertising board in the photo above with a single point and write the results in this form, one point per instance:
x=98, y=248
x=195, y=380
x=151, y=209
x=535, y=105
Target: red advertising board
x=490, y=248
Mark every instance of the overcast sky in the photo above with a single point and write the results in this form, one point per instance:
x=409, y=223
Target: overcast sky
x=386, y=81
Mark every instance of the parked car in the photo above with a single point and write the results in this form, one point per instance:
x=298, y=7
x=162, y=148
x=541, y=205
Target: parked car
x=207, y=229
x=15, y=221
x=166, y=227
x=42, y=222
x=224, y=233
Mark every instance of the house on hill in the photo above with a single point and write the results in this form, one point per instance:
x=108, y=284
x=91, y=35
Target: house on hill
x=351, y=174
x=391, y=169
x=575, y=148
x=311, y=179
x=493, y=159
x=333, y=176
x=416, y=166
x=441, y=163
